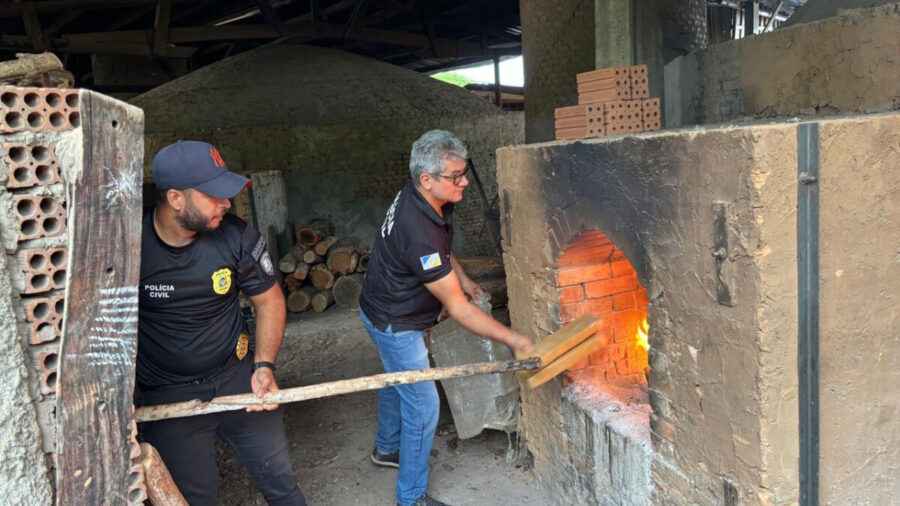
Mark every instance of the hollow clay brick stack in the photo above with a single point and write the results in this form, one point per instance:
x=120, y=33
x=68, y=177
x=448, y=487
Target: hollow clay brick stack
x=611, y=101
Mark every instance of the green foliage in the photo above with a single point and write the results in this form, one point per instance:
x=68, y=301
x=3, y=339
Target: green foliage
x=452, y=78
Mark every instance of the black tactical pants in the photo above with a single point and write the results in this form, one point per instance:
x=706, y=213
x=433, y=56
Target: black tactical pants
x=187, y=445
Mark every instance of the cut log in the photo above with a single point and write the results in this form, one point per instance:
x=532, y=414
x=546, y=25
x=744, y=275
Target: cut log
x=291, y=283
x=321, y=277
x=323, y=246
x=322, y=300
x=302, y=271
x=298, y=251
x=362, y=265
x=160, y=486
x=28, y=65
x=311, y=257
x=343, y=258
x=300, y=300
x=315, y=232
x=347, y=290
x=287, y=264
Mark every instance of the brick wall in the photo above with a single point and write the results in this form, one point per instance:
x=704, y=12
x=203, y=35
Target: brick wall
x=594, y=277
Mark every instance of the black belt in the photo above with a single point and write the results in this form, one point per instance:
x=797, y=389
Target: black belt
x=200, y=381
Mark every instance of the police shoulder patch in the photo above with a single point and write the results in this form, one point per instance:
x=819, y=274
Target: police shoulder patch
x=222, y=281
x=430, y=261
x=266, y=263
x=259, y=248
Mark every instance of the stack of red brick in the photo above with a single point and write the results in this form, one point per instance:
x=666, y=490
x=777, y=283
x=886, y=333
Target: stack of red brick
x=611, y=101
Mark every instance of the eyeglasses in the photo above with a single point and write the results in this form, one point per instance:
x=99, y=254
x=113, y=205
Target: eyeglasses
x=458, y=177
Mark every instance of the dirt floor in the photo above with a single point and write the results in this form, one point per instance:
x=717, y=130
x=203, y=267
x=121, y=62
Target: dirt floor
x=331, y=439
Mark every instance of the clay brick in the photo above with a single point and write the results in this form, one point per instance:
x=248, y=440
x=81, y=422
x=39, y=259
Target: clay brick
x=575, y=275
x=572, y=110
x=603, y=96
x=38, y=109
x=604, y=84
x=621, y=267
x=604, y=287
x=570, y=294
x=585, y=256
x=45, y=316
x=569, y=312
x=571, y=133
x=137, y=489
x=623, y=301
x=39, y=216
x=571, y=122
x=44, y=269
x=30, y=165
x=605, y=73
x=628, y=318
x=47, y=362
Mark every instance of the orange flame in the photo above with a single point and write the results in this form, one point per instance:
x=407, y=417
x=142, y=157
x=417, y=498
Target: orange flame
x=641, y=334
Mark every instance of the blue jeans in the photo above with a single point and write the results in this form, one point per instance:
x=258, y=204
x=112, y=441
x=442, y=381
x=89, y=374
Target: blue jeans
x=407, y=414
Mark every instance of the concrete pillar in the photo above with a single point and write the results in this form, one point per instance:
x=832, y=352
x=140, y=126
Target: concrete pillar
x=557, y=43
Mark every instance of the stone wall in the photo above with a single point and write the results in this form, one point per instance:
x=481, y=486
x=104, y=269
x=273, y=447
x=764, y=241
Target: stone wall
x=351, y=172
x=557, y=43
x=723, y=375
x=845, y=64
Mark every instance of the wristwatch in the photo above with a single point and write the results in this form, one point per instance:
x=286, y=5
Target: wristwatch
x=260, y=365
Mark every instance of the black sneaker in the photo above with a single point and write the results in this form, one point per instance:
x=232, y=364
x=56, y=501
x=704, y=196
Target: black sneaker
x=386, y=459
x=427, y=500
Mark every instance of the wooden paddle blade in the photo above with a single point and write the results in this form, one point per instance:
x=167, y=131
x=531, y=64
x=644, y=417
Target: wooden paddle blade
x=567, y=360
x=556, y=344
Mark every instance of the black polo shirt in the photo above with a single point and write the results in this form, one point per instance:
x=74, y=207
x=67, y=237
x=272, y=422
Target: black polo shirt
x=412, y=248
x=189, y=309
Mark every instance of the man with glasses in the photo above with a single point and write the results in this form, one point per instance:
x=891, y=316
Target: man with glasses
x=412, y=274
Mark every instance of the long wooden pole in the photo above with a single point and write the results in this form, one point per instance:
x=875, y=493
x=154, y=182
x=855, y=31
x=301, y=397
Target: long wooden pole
x=235, y=402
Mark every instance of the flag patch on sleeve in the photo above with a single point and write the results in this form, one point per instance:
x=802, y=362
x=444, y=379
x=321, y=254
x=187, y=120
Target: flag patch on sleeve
x=430, y=261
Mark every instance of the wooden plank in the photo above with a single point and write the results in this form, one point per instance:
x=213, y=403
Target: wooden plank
x=99, y=336
x=160, y=486
x=329, y=389
x=556, y=344
x=567, y=360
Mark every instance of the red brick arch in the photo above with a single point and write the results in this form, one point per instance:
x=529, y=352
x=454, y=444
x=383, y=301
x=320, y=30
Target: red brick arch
x=594, y=277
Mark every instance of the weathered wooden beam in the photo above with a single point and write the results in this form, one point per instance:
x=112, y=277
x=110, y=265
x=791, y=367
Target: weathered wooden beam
x=161, y=27
x=272, y=17
x=95, y=46
x=33, y=26
x=99, y=335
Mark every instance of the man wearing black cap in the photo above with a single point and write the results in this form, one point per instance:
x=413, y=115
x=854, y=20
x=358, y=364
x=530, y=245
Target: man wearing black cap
x=192, y=341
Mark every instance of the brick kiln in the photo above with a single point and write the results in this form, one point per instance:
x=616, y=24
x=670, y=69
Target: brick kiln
x=701, y=231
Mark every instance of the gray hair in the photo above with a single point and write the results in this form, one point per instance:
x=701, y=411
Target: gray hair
x=430, y=151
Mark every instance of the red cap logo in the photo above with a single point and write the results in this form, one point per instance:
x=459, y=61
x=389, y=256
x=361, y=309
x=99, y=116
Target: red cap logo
x=216, y=157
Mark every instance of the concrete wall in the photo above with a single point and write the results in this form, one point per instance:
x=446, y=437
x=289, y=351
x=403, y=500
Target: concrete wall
x=351, y=172
x=557, y=43
x=845, y=64
x=723, y=380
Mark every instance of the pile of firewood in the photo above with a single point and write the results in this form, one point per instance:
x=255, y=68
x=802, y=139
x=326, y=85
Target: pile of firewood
x=323, y=269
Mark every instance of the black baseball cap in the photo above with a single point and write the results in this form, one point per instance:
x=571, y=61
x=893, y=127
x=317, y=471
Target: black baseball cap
x=197, y=165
